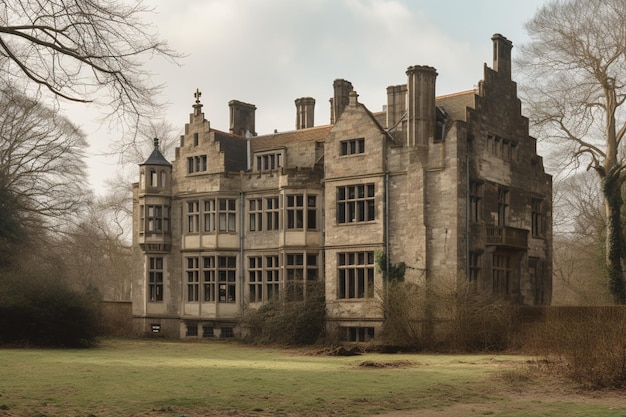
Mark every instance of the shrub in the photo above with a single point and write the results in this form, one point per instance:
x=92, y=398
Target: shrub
x=288, y=322
x=481, y=323
x=588, y=344
x=46, y=313
x=404, y=314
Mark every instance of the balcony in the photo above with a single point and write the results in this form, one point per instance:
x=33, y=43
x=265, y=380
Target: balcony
x=506, y=236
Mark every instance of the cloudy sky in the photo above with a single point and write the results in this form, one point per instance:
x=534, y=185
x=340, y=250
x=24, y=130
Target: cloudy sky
x=270, y=52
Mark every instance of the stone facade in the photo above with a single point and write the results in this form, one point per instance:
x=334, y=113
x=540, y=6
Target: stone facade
x=451, y=185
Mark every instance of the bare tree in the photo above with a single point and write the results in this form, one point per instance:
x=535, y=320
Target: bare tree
x=579, y=270
x=42, y=173
x=83, y=51
x=576, y=60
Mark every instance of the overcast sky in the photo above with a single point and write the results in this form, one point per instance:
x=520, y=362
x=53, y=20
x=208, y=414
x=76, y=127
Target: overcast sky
x=270, y=52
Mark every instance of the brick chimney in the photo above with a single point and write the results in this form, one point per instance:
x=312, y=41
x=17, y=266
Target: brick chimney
x=502, y=55
x=340, y=100
x=421, y=114
x=241, y=118
x=305, y=110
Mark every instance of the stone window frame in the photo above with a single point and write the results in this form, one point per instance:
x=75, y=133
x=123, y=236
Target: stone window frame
x=351, y=147
x=263, y=214
x=196, y=164
x=301, y=211
x=536, y=217
x=155, y=279
x=269, y=160
x=354, y=206
x=355, y=275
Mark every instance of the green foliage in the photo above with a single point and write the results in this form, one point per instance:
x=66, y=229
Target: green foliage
x=42, y=311
x=390, y=271
x=288, y=322
x=616, y=250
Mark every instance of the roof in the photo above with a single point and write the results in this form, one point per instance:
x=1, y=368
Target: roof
x=274, y=140
x=156, y=157
x=456, y=104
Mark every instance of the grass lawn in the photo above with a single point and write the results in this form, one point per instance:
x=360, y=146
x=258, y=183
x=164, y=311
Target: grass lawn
x=171, y=378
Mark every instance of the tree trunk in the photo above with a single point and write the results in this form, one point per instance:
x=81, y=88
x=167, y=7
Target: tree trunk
x=614, y=236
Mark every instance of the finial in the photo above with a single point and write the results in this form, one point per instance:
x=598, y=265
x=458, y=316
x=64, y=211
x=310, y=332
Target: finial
x=197, y=95
x=156, y=143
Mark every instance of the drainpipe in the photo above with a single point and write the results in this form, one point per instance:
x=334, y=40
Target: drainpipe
x=467, y=216
x=386, y=243
x=241, y=251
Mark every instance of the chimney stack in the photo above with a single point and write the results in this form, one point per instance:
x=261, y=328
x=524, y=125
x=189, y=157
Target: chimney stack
x=502, y=55
x=421, y=115
x=340, y=100
x=241, y=118
x=305, y=110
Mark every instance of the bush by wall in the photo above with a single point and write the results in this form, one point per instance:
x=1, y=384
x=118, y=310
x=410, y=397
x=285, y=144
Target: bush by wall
x=287, y=322
x=46, y=313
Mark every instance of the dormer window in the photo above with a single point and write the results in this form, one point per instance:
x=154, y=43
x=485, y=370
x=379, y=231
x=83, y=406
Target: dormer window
x=352, y=146
x=268, y=161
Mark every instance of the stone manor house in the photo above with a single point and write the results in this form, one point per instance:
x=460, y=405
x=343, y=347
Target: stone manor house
x=452, y=186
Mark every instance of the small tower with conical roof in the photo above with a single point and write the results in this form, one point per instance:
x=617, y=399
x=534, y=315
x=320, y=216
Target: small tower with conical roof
x=154, y=197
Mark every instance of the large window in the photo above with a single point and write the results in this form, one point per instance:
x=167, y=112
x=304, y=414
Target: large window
x=255, y=279
x=263, y=214
x=193, y=216
x=193, y=279
x=271, y=213
x=227, y=214
x=210, y=214
x=263, y=278
x=218, y=278
x=157, y=219
x=255, y=213
x=356, y=275
x=501, y=274
x=503, y=206
x=226, y=276
x=300, y=214
x=352, y=146
x=301, y=270
x=272, y=277
x=536, y=230
x=155, y=279
x=209, y=282
x=355, y=203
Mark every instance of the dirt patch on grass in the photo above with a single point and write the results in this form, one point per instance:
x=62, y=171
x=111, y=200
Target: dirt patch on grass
x=387, y=364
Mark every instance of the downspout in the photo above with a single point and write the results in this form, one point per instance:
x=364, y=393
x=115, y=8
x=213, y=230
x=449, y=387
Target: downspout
x=468, y=205
x=386, y=234
x=241, y=251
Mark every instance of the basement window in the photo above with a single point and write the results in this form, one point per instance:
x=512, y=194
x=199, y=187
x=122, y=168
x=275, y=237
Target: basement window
x=359, y=334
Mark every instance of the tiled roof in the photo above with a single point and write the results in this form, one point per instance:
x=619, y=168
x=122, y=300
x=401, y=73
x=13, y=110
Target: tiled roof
x=275, y=140
x=156, y=158
x=234, y=148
